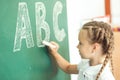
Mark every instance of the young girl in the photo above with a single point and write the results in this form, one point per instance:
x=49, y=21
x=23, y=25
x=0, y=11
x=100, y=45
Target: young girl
x=95, y=47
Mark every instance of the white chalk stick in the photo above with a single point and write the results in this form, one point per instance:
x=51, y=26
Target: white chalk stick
x=48, y=44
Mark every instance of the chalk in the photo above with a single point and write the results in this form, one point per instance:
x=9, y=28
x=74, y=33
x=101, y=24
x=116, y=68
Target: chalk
x=48, y=44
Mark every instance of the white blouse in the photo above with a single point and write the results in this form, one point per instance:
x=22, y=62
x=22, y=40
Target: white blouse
x=87, y=72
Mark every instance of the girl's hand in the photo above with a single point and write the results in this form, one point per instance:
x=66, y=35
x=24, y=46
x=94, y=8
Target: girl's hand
x=53, y=50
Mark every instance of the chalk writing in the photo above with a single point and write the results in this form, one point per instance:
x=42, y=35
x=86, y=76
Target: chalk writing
x=59, y=34
x=23, y=25
x=23, y=28
x=41, y=24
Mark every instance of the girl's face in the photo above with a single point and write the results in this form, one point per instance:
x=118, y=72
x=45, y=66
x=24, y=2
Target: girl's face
x=84, y=47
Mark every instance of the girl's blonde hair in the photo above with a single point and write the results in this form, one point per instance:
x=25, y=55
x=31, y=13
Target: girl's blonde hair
x=101, y=33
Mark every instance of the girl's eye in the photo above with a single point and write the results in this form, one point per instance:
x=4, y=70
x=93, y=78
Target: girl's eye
x=80, y=43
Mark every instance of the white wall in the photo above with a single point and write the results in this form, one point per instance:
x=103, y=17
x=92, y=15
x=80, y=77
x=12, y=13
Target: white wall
x=78, y=11
x=115, y=11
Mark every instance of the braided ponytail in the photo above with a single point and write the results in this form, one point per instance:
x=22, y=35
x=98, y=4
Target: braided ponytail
x=103, y=66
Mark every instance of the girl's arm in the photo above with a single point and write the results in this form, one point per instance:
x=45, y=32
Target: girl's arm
x=61, y=62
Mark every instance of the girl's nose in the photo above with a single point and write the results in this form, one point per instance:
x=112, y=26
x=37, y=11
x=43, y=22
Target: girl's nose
x=77, y=46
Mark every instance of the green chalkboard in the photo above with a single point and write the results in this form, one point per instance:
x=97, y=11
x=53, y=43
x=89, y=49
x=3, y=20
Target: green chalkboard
x=23, y=26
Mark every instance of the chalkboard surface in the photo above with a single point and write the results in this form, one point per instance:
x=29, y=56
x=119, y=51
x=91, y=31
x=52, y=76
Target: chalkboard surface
x=23, y=26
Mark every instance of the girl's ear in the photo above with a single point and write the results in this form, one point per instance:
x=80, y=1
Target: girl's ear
x=95, y=47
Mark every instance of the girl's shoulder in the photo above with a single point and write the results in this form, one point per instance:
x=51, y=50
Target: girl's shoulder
x=107, y=74
x=83, y=63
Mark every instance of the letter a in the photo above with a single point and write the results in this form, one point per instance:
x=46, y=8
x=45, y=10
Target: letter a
x=23, y=28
